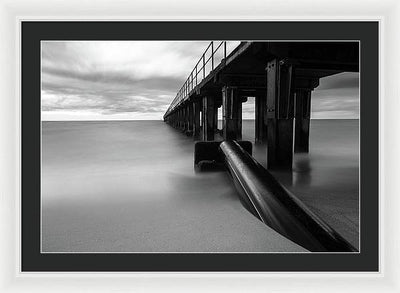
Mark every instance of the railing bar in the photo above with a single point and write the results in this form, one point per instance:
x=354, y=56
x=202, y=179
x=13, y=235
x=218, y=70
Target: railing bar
x=208, y=59
x=189, y=83
x=219, y=46
x=203, y=54
x=208, y=46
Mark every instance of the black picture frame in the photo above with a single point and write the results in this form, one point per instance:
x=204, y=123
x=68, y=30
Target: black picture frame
x=33, y=32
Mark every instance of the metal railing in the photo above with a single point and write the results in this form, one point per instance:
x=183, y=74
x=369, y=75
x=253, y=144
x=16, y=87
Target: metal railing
x=199, y=71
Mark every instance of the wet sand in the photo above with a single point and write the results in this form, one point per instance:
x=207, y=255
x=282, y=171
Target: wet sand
x=131, y=187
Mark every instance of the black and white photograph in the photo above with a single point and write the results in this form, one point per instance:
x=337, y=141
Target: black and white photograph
x=212, y=146
x=200, y=146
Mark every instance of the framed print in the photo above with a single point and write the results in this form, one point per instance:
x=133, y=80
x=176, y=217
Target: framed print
x=211, y=148
x=95, y=182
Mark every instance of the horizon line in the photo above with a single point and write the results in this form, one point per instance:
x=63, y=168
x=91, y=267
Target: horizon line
x=86, y=120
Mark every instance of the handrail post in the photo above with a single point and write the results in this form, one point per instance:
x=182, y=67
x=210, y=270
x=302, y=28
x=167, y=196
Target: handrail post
x=196, y=74
x=212, y=55
x=224, y=51
x=204, y=65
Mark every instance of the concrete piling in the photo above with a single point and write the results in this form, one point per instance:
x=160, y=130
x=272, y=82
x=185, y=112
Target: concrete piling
x=302, y=121
x=231, y=113
x=196, y=119
x=280, y=95
x=208, y=118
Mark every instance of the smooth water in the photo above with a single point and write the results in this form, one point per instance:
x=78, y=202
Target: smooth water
x=130, y=186
x=326, y=178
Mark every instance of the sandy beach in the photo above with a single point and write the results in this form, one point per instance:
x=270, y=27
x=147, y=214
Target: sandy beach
x=129, y=186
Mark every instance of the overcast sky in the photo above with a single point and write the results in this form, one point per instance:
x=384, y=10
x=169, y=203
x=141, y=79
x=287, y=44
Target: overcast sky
x=109, y=80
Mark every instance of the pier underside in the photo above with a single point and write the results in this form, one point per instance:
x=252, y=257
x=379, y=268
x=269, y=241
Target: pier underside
x=280, y=75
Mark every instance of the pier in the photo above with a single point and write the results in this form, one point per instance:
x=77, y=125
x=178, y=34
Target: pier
x=281, y=76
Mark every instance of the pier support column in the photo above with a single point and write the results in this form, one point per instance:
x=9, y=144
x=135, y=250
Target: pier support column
x=216, y=118
x=208, y=118
x=196, y=120
x=182, y=119
x=302, y=121
x=190, y=117
x=176, y=119
x=231, y=113
x=260, y=116
x=186, y=118
x=280, y=100
x=182, y=128
x=179, y=119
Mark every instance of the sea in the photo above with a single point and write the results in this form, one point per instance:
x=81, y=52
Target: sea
x=130, y=186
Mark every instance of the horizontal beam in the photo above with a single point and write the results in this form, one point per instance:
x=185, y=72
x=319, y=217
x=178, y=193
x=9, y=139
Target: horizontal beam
x=243, y=80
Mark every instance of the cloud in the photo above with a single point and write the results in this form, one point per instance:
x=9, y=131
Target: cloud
x=137, y=80
x=108, y=78
x=337, y=96
x=340, y=81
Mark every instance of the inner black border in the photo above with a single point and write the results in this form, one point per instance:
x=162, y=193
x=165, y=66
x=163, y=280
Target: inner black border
x=35, y=31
